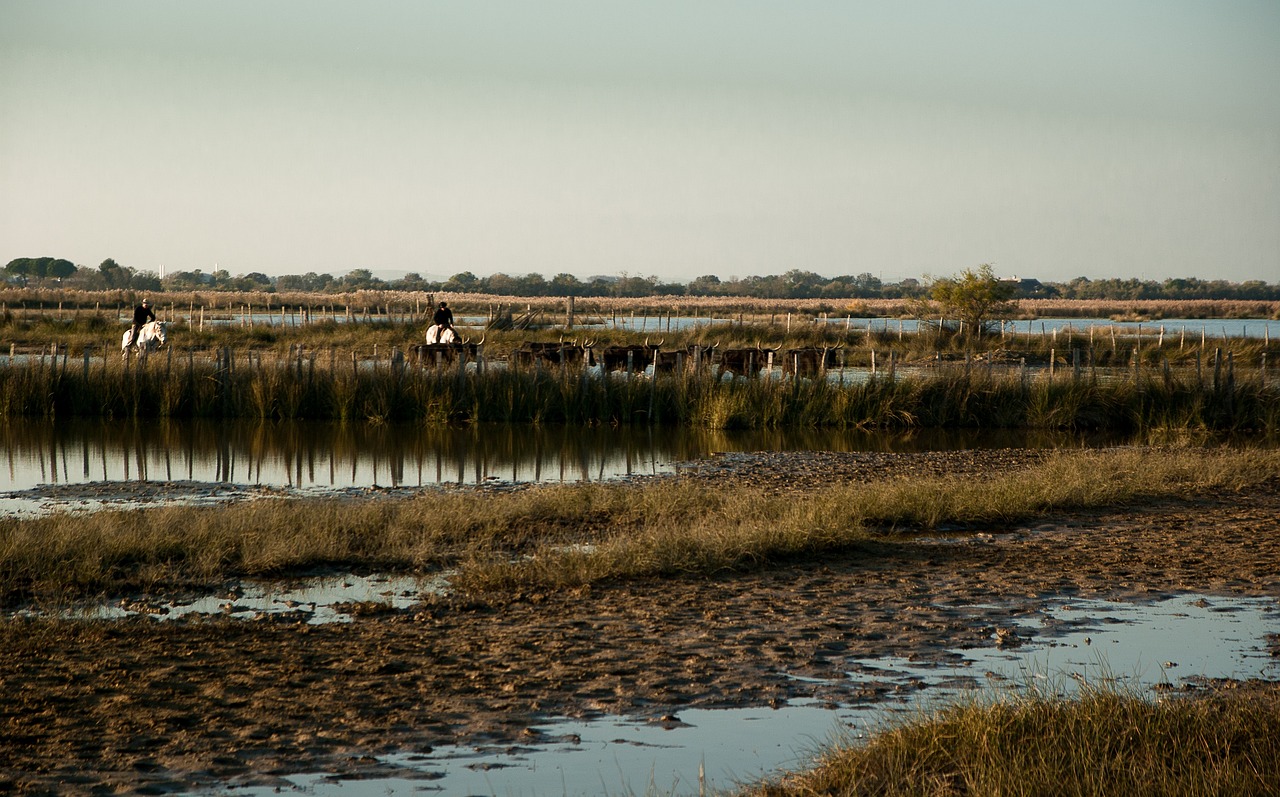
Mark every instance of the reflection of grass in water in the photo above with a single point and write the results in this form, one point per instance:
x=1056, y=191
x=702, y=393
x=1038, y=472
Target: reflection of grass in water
x=536, y=538
x=1106, y=741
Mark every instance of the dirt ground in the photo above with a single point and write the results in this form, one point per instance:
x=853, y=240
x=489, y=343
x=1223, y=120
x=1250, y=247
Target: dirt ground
x=105, y=707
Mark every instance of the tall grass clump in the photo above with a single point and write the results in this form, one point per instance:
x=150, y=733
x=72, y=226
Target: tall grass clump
x=568, y=535
x=1104, y=742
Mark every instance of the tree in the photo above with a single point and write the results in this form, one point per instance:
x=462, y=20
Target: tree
x=144, y=281
x=114, y=274
x=501, y=284
x=975, y=298
x=361, y=279
x=60, y=268
x=412, y=281
x=706, y=285
x=40, y=268
x=464, y=282
x=564, y=284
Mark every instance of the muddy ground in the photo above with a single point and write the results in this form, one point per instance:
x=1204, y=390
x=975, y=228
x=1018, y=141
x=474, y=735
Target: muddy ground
x=124, y=705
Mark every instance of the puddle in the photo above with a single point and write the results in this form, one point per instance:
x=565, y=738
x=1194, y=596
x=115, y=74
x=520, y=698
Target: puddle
x=321, y=600
x=1174, y=642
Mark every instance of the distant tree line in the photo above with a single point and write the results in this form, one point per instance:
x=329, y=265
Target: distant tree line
x=794, y=284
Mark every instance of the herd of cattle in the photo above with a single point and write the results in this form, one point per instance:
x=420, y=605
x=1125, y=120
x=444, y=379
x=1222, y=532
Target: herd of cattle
x=641, y=357
x=449, y=349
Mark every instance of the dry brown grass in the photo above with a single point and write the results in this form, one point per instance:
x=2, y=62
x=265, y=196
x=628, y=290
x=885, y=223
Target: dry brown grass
x=1104, y=743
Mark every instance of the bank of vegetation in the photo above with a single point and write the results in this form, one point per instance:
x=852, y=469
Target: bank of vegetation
x=883, y=380
x=1104, y=742
x=565, y=536
x=394, y=306
x=61, y=274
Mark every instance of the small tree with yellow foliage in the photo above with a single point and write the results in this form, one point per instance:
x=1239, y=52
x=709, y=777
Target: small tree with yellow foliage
x=976, y=298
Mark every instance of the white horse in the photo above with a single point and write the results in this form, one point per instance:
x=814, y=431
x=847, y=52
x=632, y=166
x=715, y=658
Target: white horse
x=439, y=333
x=151, y=336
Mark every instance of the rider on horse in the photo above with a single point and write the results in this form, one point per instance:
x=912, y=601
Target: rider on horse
x=142, y=314
x=443, y=319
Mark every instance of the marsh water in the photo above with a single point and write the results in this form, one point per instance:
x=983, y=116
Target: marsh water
x=1176, y=641
x=330, y=456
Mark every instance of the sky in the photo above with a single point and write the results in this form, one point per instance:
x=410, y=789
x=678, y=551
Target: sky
x=913, y=138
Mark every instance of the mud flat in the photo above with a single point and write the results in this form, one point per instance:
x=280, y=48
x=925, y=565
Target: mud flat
x=92, y=707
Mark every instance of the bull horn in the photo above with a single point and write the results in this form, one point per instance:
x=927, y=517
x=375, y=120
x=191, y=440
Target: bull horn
x=658, y=345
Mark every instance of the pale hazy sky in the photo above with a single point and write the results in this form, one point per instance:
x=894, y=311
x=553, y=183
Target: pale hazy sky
x=1098, y=138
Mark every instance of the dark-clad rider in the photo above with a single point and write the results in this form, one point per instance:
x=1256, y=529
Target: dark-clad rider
x=142, y=314
x=443, y=318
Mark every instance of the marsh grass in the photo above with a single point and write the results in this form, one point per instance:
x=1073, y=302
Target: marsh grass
x=570, y=535
x=1107, y=741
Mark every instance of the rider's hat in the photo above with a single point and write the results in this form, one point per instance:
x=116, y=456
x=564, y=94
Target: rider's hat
x=146, y=301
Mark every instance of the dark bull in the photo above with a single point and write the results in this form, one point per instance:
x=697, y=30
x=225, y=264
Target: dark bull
x=441, y=354
x=694, y=357
x=560, y=353
x=746, y=362
x=808, y=361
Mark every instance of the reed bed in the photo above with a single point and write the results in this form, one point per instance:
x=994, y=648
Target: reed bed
x=420, y=302
x=1106, y=741
x=386, y=384
x=569, y=535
